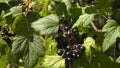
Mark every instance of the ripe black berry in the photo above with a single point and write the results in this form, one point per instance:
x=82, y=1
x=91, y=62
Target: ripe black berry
x=67, y=28
x=60, y=52
x=82, y=48
x=73, y=1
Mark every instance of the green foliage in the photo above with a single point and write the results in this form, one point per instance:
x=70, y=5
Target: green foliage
x=29, y=49
x=112, y=30
x=45, y=8
x=54, y=62
x=47, y=25
x=84, y=20
x=4, y=1
x=118, y=60
x=21, y=26
x=14, y=11
x=43, y=17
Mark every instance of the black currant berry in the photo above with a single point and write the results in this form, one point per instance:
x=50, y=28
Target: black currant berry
x=60, y=52
x=73, y=1
x=67, y=28
x=6, y=38
x=84, y=35
x=67, y=54
x=74, y=55
x=89, y=1
x=11, y=34
x=82, y=48
x=74, y=30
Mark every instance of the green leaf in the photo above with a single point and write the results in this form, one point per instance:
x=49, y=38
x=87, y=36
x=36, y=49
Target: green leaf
x=4, y=1
x=61, y=9
x=21, y=26
x=68, y=4
x=88, y=43
x=112, y=30
x=3, y=61
x=29, y=48
x=111, y=24
x=54, y=62
x=47, y=25
x=118, y=60
x=81, y=62
x=101, y=61
x=17, y=10
x=45, y=8
x=84, y=20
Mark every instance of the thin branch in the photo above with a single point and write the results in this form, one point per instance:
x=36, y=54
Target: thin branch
x=95, y=28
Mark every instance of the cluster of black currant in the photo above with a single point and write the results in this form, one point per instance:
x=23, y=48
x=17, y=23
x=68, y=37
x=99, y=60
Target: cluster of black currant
x=69, y=42
x=6, y=34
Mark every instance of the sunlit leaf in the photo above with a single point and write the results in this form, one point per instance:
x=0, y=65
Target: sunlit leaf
x=45, y=8
x=118, y=60
x=47, y=25
x=84, y=20
x=4, y=1
x=54, y=62
x=112, y=30
x=88, y=43
x=29, y=48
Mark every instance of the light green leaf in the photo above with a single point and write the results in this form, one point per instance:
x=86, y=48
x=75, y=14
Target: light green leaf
x=29, y=48
x=4, y=1
x=22, y=26
x=118, y=60
x=45, y=8
x=54, y=62
x=84, y=20
x=47, y=25
x=111, y=24
x=17, y=10
x=112, y=30
x=88, y=43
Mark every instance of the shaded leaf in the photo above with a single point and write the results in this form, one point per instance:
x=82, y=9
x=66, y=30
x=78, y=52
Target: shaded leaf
x=101, y=61
x=29, y=48
x=84, y=20
x=22, y=26
x=54, y=62
x=47, y=25
x=61, y=9
x=112, y=30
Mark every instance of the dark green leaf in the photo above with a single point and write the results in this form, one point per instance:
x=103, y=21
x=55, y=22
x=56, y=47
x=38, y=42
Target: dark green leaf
x=47, y=25
x=54, y=62
x=84, y=20
x=22, y=26
x=101, y=61
x=29, y=48
x=112, y=30
x=61, y=9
